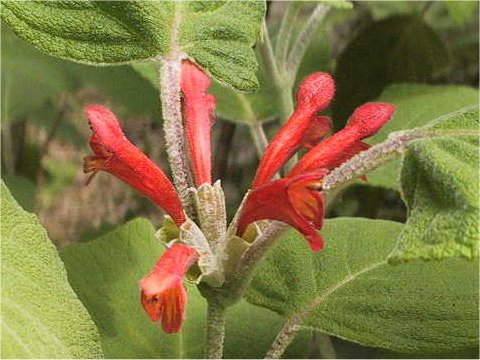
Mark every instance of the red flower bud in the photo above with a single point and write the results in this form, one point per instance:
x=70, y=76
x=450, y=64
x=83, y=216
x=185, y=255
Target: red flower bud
x=315, y=92
x=341, y=146
x=198, y=109
x=163, y=295
x=296, y=201
x=115, y=154
x=303, y=129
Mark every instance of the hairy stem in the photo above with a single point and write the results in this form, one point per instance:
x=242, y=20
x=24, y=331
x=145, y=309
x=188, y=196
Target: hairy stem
x=303, y=40
x=285, y=33
x=251, y=258
x=215, y=330
x=259, y=137
x=173, y=128
x=372, y=158
x=283, y=339
x=282, y=87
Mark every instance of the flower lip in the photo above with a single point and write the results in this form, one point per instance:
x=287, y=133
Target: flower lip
x=163, y=295
x=296, y=201
x=114, y=153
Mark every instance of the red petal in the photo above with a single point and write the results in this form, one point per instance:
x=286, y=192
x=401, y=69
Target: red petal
x=115, y=154
x=295, y=201
x=315, y=92
x=198, y=109
x=163, y=295
x=318, y=128
x=365, y=121
x=304, y=126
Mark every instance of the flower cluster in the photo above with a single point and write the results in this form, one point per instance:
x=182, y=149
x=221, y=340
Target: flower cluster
x=295, y=199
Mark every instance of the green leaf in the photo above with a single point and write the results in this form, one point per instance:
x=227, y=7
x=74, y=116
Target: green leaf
x=219, y=35
x=440, y=187
x=41, y=315
x=349, y=290
x=415, y=106
x=461, y=11
x=105, y=273
x=397, y=49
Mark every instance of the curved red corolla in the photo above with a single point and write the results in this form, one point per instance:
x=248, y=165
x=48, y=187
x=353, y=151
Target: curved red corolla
x=163, y=295
x=115, y=154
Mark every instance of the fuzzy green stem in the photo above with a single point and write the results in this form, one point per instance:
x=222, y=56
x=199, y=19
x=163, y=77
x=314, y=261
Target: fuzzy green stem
x=285, y=33
x=259, y=138
x=303, y=40
x=215, y=330
x=281, y=85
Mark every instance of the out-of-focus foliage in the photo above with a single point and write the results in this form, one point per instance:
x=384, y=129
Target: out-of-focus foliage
x=397, y=49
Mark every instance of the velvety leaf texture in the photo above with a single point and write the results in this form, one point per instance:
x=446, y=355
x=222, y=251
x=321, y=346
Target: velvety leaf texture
x=415, y=106
x=105, y=273
x=219, y=35
x=349, y=290
x=396, y=49
x=41, y=315
x=440, y=178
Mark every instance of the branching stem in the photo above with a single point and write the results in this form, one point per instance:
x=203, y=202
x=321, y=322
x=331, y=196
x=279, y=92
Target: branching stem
x=303, y=41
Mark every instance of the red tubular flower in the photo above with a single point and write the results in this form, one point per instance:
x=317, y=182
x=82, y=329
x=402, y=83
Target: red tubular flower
x=365, y=121
x=304, y=126
x=163, y=295
x=198, y=109
x=115, y=154
x=296, y=201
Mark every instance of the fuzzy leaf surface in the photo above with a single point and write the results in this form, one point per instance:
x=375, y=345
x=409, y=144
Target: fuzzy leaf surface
x=105, y=273
x=219, y=35
x=41, y=315
x=439, y=179
x=349, y=290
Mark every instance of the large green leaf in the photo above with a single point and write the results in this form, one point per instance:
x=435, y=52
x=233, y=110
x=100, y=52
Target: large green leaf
x=399, y=48
x=415, y=106
x=105, y=274
x=219, y=35
x=41, y=315
x=440, y=179
x=349, y=290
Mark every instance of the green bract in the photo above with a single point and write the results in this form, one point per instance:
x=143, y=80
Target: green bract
x=41, y=315
x=349, y=290
x=218, y=35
